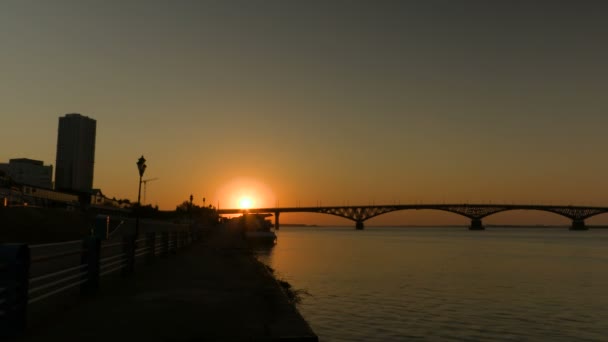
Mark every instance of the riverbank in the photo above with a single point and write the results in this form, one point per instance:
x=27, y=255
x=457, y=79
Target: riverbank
x=215, y=290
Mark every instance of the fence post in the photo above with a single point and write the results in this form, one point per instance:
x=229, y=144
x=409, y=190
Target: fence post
x=195, y=235
x=14, y=281
x=164, y=244
x=169, y=250
x=174, y=242
x=128, y=248
x=151, y=243
x=91, y=257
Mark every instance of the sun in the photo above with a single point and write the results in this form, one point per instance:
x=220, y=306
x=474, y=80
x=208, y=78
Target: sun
x=244, y=193
x=245, y=202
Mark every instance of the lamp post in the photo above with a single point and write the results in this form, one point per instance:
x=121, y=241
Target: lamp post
x=141, y=167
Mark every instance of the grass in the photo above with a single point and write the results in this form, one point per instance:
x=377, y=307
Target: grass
x=294, y=295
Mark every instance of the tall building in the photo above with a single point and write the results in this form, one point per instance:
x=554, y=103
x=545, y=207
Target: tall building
x=29, y=172
x=75, y=153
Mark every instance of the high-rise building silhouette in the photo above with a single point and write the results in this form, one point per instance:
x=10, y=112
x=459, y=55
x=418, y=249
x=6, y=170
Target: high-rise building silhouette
x=75, y=153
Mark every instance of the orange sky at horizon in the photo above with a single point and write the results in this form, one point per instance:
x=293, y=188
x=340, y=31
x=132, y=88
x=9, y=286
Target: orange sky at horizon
x=328, y=103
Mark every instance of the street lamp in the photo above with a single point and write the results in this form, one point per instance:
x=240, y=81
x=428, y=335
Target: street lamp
x=141, y=167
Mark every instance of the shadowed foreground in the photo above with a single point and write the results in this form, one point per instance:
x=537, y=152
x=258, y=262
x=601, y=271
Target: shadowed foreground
x=213, y=291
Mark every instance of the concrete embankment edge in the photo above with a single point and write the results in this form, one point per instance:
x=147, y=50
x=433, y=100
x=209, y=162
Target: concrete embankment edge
x=289, y=313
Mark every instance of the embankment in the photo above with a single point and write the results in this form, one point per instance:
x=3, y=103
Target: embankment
x=215, y=290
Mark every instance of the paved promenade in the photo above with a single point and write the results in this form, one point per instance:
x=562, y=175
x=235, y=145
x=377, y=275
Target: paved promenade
x=213, y=290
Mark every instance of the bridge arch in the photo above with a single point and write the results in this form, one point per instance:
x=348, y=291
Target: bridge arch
x=599, y=219
x=527, y=217
x=419, y=217
x=362, y=214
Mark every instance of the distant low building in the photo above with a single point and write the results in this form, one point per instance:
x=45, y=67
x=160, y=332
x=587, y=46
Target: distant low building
x=27, y=195
x=99, y=199
x=29, y=172
x=47, y=197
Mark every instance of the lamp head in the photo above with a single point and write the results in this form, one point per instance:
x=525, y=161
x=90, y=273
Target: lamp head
x=141, y=166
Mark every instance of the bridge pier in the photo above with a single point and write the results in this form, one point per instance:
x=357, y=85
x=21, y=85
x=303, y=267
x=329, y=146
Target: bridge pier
x=476, y=224
x=276, y=220
x=359, y=225
x=578, y=225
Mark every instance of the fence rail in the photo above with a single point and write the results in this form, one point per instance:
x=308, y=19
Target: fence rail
x=60, y=273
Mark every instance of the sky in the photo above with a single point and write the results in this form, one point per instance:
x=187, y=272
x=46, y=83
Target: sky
x=319, y=102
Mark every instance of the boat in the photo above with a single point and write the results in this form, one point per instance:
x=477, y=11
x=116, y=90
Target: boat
x=257, y=229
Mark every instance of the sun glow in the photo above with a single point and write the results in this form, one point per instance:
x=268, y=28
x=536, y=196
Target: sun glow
x=245, y=193
x=245, y=203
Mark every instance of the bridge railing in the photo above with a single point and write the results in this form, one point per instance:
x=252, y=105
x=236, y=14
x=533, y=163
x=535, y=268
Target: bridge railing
x=30, y=274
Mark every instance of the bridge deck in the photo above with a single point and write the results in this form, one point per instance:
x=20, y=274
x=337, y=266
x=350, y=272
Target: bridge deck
x=475, y=212
x=213, y=291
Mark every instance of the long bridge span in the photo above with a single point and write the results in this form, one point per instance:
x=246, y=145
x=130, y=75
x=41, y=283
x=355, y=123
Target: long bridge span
x=475, y=212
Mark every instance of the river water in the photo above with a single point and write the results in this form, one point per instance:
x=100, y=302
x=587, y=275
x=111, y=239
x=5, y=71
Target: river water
x=400, y=284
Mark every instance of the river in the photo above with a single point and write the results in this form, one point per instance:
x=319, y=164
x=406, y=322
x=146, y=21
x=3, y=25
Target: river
x=400, y=284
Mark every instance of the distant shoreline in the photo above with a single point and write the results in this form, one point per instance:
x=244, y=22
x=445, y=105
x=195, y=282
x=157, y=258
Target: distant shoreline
x=297, y=225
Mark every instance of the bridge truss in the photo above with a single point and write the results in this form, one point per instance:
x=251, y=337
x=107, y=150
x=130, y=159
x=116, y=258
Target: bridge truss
x=475, y=212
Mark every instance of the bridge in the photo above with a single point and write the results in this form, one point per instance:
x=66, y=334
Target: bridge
x=475, y=212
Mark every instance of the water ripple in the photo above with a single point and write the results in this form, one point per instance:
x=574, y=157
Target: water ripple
x=441, y=285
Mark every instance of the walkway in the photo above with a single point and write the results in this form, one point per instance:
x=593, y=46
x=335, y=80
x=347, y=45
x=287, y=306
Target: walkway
x=213, y=291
